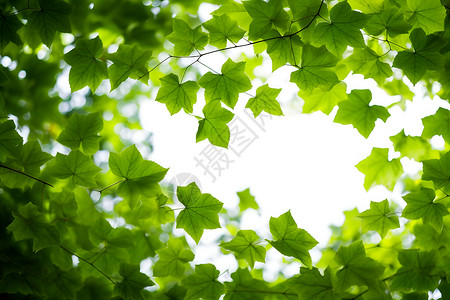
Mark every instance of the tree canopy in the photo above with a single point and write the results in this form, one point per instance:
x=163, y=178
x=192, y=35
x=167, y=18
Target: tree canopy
x=69, y=70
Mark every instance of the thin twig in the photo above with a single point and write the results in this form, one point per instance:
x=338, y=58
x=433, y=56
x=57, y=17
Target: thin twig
x=25, y=174
x=89, y=263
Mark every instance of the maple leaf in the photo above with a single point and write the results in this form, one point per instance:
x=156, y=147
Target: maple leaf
x=264, y=16
x=245, y=245
x=425, y=56
x=367, y=62
x=357, y=268
x=141, y=177
x=379, y=218
x=437, y=124
x=315, y=70
x=291, y=240
x=10, y=140
x=265, y=100
x=87, y=69
x=438, y=171
x=82, y=131
x=30, y=223
x=133, y=282
x=343, y=30
x=9, y=25
x=416, y=272
x=177, y=95
x=203, y=283
x=246, y=200
x=428, y=15
x=227, y=85
x=214, y=125
x=422, y=204
x=76, y=167
x=313, y=285
x=222, y=28
x=187, y=39
x=172, y=259
x=128, y=61
x=379, y=170
x=52, y=16
x=357, y=111
x=201, y=211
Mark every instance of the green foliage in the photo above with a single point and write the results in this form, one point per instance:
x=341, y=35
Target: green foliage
x=83, y=209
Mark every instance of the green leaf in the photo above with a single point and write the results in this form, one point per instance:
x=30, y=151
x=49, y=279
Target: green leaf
x=30, y=223
x=76, y=167
x=264, y=16
x=357, y=268
x=245, y=287
x=413, y=146
x=214, y=125
x=203, y=283
x=304, y=11
x=128, y=61
x=246, y=200
x=367, y=62
x=416, y=272
x=428, y=15
x=379, y=218
x=378, y=169
x=425, y=56
x=290, y=240
x=177, y=95
x=265, y=100
x=140, y=177
x=313, y=285
x=3, y=79
x=343, y=30
x=28, y=159
x=201, y=211
x=438, y=171
x=186, y=39
x=52, y=17
x=227, y=85
x=245, y=245
x=10, y=140
x=172, y=260
x=133, y=282
x=9, y=25
x=82, y=131
x=323, y=100
x=222, y=28
x=390, y=20
x=367, y=6
x=63, y=205
x=422, y=204
x=357, y=111
x=315, y=70
x=437, y=124
x=398, y=87
x=87, y=69
x=283, y=50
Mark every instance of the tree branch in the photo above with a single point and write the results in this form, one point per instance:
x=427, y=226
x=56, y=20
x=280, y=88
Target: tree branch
x=25, y=174
x=89, y=263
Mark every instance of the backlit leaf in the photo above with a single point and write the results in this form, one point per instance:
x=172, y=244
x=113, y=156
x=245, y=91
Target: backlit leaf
x=186, y=39
x=214, y=125
x=222, y=28
x=379, y=218
x=245, y=246
x=265, y=100
x=172, y=259
x=203, y=283
x=177, y=95
x=201, y=211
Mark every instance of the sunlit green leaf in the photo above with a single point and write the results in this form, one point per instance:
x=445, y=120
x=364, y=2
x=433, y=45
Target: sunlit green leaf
x=265, y=100
x=201, y=211
x=173, y=259
x=291, y=240
x=82, y=131
x=87, y=67
x=367, y=62
x=177, y=95
x=428, y=15
x=140, y=177
x=246, y=246
x=203, y=283
x=186, y=39
x=214, y=125
x=358, y=112
x=227, y=85
x=222, y=28
x=246, y=200
x=379, y=218
x=133, y=282
x=378, y=169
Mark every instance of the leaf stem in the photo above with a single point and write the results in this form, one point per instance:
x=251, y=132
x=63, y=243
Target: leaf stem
x=109, y=186
x=25, y=174
x=89, y=263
